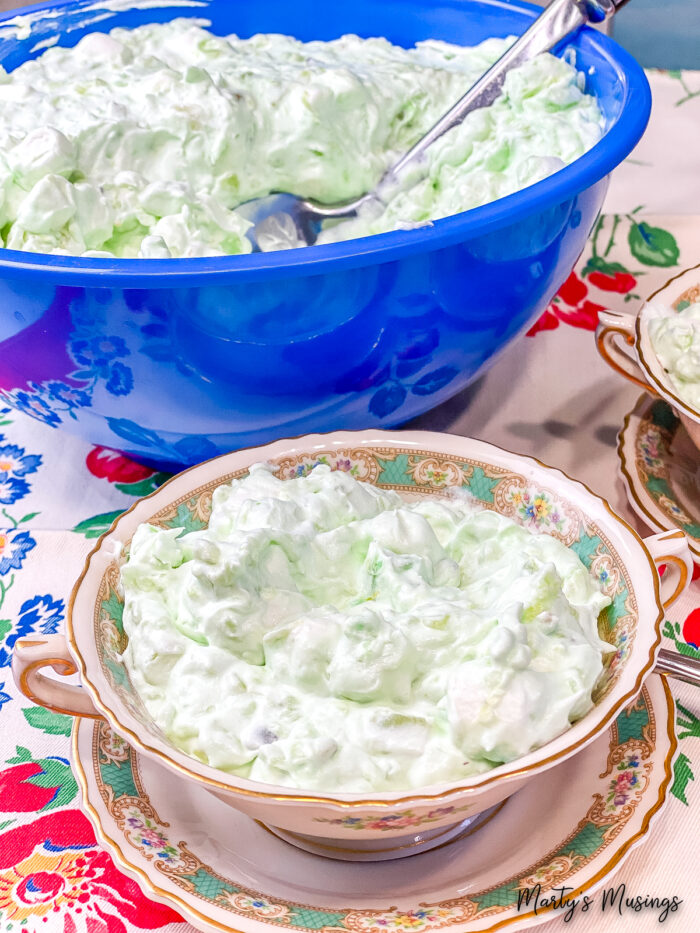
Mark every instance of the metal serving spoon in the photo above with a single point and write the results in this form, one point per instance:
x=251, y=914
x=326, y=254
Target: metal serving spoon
x=677, y=665
x=283, y=221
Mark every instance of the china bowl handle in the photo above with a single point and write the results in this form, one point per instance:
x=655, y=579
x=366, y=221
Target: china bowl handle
x=29, y=656
x=612, y=326
x=670, y=548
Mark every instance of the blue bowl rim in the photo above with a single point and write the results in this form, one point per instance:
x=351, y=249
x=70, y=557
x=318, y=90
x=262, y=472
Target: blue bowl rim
x=586, y=171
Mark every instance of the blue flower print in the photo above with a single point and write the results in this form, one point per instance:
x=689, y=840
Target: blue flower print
x=133, y=432
x=96, y=352
x=69, y=395
x=14, y=461
x=14, y=547
x=4, y=697
x=35, y=406
x=120, y=381
x=12, y=489
x=39, y=614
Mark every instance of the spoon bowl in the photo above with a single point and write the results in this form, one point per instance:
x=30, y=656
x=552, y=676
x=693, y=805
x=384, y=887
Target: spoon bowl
x=284, y=221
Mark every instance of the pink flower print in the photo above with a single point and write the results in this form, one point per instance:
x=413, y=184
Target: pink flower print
x=438, y=812
x=623, y=780
x=152, y=838
x=383, y=824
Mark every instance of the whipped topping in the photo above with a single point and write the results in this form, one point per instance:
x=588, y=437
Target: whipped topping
x=675, y=337
x=324, y=633
x=144, y=142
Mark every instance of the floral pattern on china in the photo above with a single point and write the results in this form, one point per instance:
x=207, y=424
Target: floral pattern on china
x=408, y=819
x=616, y=793
x=411, y=473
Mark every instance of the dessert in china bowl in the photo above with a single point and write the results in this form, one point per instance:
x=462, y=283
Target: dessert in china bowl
x=425, y=470
x=665, y=337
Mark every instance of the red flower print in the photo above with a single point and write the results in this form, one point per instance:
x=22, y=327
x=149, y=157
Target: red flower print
x=691, y=629
x=113, y=466
x=570, y=306
x=546, y=321
x=18, y=794
x=621, y=282
x=585, y=315
x=51, y=870
x=696, y=571
x=573, y=290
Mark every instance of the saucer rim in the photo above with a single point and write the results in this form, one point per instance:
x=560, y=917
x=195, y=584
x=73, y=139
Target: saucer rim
x=207, y=924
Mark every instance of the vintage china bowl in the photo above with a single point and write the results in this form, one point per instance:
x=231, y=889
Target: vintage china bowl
x=642, y=366
x=415, y=464
x=177, y=360
x=658, y=465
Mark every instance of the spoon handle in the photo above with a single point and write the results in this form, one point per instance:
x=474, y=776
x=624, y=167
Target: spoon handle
x=559, y=20
x=679, y=666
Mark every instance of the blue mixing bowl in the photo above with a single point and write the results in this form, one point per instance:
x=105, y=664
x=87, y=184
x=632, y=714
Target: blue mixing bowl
x=176, y=360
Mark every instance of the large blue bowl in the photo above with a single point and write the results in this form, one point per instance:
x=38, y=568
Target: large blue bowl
x=177, y=360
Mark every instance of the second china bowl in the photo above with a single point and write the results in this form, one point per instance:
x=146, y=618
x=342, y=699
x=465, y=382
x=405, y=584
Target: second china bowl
x=642, y=366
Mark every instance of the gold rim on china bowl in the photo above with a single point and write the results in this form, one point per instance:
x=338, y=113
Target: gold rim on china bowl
x=314, y=444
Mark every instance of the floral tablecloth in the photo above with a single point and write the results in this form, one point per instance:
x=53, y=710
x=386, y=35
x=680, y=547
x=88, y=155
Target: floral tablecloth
x=549, y=395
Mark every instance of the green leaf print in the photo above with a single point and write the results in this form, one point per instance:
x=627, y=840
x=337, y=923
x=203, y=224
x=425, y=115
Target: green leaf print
x=652, y=245
x=598, y=264
x=672, y=630
x=97, y=525
x=44, y=719
x=690, y=94
x=687, y=721
x=5, y=626
x=143, y=487
x=55, y=773
x=682, y=776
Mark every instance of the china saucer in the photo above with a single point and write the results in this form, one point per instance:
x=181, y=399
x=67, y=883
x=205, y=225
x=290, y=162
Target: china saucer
x=660, y=468
x=223, y=871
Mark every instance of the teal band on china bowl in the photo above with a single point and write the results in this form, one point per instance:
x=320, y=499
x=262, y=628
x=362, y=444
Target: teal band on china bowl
x=414, y=464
